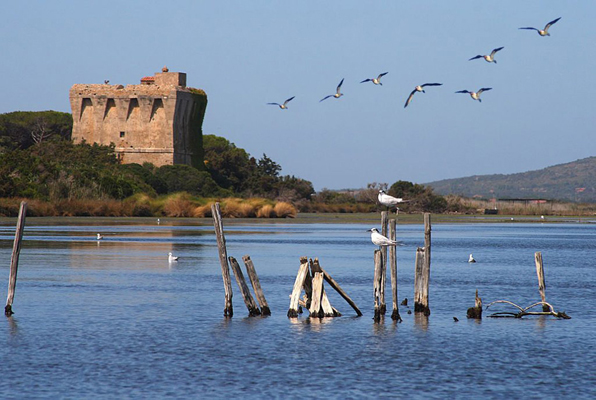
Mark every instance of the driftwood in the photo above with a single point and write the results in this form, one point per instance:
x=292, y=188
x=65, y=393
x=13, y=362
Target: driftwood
x=525, y=311
x=256, y=285
x=223, y=259
x=476, y=311
x=14, y=260
x=251, y=305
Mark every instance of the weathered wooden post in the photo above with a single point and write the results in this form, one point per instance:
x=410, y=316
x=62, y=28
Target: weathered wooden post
x=14, y=260
x=422, y=278
x=341, y=292
x=393, y=265
x=256, y=285
x=476, y=311
x=377, y=285
x=253, y=310
x=384, y=221
x=541, y=283
x=323, y=309
x=223, y=259
x=295, y=297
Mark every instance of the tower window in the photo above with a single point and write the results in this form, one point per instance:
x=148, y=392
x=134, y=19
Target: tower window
x=121, y=134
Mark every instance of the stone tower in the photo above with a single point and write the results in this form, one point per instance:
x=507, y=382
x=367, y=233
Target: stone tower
x=158, y=121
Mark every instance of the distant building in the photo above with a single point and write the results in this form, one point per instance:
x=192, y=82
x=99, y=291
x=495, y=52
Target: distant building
x=158, y=121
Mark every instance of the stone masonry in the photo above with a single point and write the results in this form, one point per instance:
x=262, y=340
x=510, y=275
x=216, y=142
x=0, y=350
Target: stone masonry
x=158, y=121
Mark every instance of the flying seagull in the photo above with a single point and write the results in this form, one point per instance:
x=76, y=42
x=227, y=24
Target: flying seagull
x=389, y=201
x=419, y=88
x=337, y=94
x=475, y=95
x=172, y=258
x=377, y=80
x=284, y=105
x=490, y=58
x=380, y=240
x=543, y=32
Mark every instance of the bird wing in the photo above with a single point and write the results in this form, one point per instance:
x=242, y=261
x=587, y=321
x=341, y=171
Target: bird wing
x=484, y=89
x=325, y=98
x=529, y=27
x=431, y=84
x=366, y=80
x=554, y=21
x=495, y=50
x=473, y=58
x=381, y=75
x=288, y=100
x=339, y=86
x=410, y=98
x=462, y=91
x=274, y=104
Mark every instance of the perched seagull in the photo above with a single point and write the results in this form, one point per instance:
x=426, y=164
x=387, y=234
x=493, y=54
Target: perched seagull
x=490, y=58
x=337, y=94
x=475, y=95
x=158, y=221
x=99, y=236
x=471, y=259
x=284, y=105
x=380, y=240
x=419, y=88
x=543, y=32
x=389, y=201
x=172, y=258
x=377, y=80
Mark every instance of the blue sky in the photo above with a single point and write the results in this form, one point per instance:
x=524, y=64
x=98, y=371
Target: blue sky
x=540, y=112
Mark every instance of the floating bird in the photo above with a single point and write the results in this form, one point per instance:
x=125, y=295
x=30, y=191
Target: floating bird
x=543, y=32
x=455, y=319
x=172, y=258
x=490, y=58
x=377, y=80
x=409, y=311
x=379, y=239
x=284, y=105
x=471, y=259
x=337, y=94
x=389, y=201
x=404, y=302
x=419, y=88
x=99, y=236
x=475, y=95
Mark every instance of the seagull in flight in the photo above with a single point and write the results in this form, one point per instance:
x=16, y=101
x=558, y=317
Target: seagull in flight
x=337, y=94
x=419, y=88
x=283, y=106
x=172, y=258
x=380, y=240
x=490, y=58
x=377, y=80
x=475, y=95
x=543, y=32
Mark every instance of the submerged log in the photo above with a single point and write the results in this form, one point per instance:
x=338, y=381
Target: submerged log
x=251, y=305
x=14, y=260
x=524, y=311
x=295, y=297
x=223, y=259
x=476, y=311
x=256, y=285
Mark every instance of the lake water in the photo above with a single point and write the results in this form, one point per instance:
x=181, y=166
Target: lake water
x=112, y=319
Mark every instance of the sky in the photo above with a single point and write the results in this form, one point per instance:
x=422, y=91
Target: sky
x=540, y=111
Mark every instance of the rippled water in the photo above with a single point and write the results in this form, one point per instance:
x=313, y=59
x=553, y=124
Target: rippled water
x=113, y=319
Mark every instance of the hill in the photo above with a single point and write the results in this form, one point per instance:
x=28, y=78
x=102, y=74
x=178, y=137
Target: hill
x=574, y=181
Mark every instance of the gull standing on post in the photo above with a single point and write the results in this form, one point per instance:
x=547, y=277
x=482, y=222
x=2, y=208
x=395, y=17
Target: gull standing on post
x=389, y=201
x=475, y=95
x=172, y=258
x=543, y=32
x=283, y=106
x=99, y=236
x=380, y=240
x=377, y=80
x=490, y=58
x=337, y=94
x=419, y=88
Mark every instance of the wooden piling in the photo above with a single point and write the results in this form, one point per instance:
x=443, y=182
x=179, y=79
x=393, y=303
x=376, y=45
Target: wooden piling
x=323, y=309
x=393, y=267
x=223, y=259
x=377, y=285
x=317, y=294
x=295, y=297
x=256, y=285
x=339, y=290
x=384, y=230
x=14, y=260
x=421, y=283
x=251, y=305
x=541, y=283
x=476, y=311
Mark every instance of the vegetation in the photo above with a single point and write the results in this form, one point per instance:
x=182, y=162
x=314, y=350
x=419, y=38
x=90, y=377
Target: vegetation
x=22, y=129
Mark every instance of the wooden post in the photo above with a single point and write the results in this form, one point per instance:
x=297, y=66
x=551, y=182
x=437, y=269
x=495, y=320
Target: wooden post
x=384, y=221
x=223, y=259
x=341, y=292
x=295, y=297
x=393, y=265
x=14, y=260
x=377, y=284
x=256, y=285
x=253, y=310
x=421, y=283
x=476, y=311
x=323, y=309
x=541, y=283
x=317, y=294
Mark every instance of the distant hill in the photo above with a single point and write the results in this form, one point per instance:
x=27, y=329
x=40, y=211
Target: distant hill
x=574, y=181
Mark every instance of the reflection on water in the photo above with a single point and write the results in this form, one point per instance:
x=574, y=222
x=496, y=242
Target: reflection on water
x=114, y=319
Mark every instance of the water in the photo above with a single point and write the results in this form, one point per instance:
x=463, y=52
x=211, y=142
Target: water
x=114, y=320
